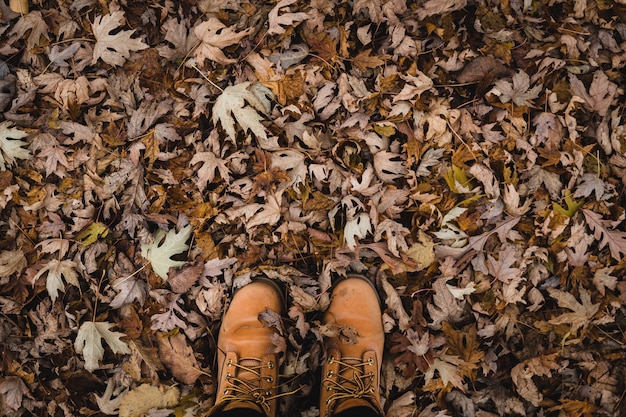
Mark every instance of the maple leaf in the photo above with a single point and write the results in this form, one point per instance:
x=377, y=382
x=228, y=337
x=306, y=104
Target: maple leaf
x=270, y=212
x=11, y=147
x=600, y=95
x=359, y=226
x=518, y=90
x=616, y=239
x=106, y=403
x=522, y=375
x=56, y=270
x=414, y=86
x=603, y=279
x=439, y=7
x=389, y=166
x=169, y=319
x=277, y=21
x=129, y=289
x=243, y=103
x=210, y=165
x=394, y=232
x=164, y=246
x=89, y=342
x=430, y=159
x=448, y=368
x=590, y=183
x=11, y=262
x=114, y=49
x=34, y=24
x=215, y=36
x=394, y=302
x=14, y=389
x=445, y=305
x=501, y=268
x=581, y=313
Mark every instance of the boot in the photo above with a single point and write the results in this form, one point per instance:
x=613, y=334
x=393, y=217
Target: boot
x=351, y=371
x=247, y=366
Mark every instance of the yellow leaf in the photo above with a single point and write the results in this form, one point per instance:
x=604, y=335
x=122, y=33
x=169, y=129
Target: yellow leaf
x=456, y=176
x=146, y=396
x=423, y=252
x=92, y=233
x=572, y=205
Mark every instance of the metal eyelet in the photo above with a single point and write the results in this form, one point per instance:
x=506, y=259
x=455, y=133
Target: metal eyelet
x=270, y=379
x=329, y=374
x=372, y=390
x=229, y=363
x=268, y=393
x=370, y=361
x=270, y=365
x=331, y=359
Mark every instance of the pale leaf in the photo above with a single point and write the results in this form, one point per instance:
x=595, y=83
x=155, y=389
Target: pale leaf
x=56, y=271
x=582, y=313
x=11, y=147
x=215, y=37
x=394, y=233
x=242, y=102
x=448, y=368
x=114, y=49
x=359, y=226
x=145, y=397
x=616, y=239
x=129, y=289
x=518, y=90
x=210, y=165
x=281, y=16
x=89, y=342
x=389, y=166
x=164, y=246
x=603, y=279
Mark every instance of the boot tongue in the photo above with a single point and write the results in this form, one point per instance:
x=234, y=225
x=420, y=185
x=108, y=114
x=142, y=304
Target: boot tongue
x=250, y=363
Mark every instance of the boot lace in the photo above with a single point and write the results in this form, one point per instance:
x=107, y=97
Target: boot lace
x=351, y=380
x=249, y=389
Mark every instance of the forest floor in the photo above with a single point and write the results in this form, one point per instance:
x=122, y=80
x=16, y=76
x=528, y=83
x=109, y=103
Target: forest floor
x=469, y=157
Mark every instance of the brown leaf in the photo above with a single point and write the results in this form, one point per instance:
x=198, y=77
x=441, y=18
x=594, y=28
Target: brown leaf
x=481, y=68
x=181, y=280
x=364, y=60
x=178, y=358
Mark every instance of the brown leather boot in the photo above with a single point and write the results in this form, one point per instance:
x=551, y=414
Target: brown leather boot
x=351, y=370
x=247, y=367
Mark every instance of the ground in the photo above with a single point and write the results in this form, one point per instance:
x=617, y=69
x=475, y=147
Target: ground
x=469, y=157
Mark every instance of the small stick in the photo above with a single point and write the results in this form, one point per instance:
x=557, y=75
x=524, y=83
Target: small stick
x=19, y=6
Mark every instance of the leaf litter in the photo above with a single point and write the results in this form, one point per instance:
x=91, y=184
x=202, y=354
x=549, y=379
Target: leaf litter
x=467, y=156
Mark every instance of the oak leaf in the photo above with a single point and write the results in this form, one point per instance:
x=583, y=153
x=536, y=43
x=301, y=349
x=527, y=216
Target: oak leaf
x=616, y=239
